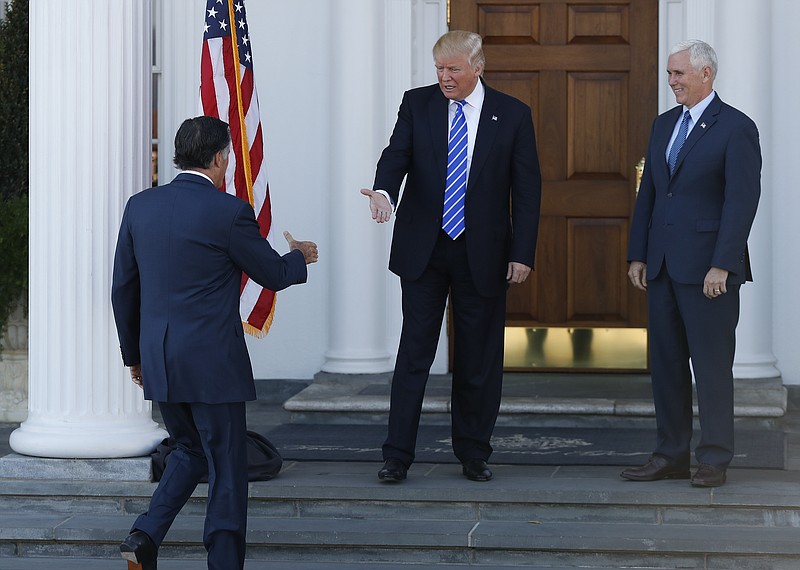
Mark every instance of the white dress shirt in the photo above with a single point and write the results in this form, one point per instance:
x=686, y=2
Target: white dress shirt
x=695, y=112
x=472, y=113
x=198, y=174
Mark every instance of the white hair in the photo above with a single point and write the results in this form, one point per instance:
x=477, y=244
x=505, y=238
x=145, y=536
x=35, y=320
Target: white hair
x=700, y=55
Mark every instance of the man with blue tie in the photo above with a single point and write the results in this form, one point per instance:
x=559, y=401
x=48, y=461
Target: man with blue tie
x=466, y=227
x=178, y=268
x=688, y=249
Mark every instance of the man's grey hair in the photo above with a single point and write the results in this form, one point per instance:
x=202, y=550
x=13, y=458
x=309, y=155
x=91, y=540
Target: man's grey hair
x=700, y=55
x=458, y=42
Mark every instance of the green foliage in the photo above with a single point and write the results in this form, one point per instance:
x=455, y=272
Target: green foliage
x=13, y=253
x=14, y=145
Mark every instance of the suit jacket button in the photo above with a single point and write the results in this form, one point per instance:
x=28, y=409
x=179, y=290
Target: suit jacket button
x=669, y=195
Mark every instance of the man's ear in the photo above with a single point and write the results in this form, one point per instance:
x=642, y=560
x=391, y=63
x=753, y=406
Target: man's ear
x=218, y=158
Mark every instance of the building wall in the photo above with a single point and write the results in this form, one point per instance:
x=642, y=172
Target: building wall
x=296, y=54
x=295, y=50
x=291, y=47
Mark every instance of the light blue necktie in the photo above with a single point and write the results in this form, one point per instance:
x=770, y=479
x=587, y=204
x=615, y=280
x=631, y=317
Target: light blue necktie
x=672, y=159
x=456, y=186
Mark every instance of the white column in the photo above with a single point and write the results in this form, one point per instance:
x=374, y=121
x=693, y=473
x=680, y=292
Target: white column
x=700, y=19
x=754, y=356
x=783, y=190
x=89, y=151
x=680, y=20
x=357, y=250
x=179, y=46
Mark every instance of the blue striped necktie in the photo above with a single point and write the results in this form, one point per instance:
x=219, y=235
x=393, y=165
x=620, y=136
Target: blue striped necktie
x=672, y=159
x=456, y=186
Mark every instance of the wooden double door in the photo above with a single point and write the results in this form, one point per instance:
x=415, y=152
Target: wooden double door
x=588, y=69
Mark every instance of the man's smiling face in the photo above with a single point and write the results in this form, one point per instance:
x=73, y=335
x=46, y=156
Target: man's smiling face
x=690, y=85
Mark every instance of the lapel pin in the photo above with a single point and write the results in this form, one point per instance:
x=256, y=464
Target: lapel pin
x=703, y=125
x=494, y=117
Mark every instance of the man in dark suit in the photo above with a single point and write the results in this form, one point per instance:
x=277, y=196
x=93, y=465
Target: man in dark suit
x=688, y=249
x=178, y=268
x=467, y=227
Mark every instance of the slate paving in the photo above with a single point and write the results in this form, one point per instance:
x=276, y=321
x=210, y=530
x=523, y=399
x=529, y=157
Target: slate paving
x=336, y=515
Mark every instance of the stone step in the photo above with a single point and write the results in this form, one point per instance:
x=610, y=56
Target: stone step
x=487, y=543
x=338, y=513
x=322, y=490
x=75, y=563
x=541, y=400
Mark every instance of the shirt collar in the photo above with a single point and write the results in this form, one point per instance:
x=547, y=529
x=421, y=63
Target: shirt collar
x=697, y=111
x=197, y=174
x=475, y=99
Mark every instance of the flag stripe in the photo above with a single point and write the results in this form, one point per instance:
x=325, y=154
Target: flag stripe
x=227, y=91
x=207, y=92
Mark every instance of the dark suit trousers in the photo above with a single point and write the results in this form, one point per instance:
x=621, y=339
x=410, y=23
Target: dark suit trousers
x=478, y=325
x=212, y=436
x=685, y=324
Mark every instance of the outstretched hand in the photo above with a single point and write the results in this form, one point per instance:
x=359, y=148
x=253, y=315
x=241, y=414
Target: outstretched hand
x=379, y=205
x=307, y=248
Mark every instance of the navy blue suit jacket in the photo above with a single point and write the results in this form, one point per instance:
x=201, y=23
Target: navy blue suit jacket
x=504, y=186
x=701, y=216
x=178, y=268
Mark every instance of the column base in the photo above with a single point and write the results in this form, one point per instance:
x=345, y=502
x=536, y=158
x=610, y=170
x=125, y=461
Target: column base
x=747, y=369
x=87, y=439
x=350, y=363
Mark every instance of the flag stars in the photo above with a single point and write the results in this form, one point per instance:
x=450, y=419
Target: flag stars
x=245, y=40
x=212, y=13
x=223, y=25
x=205, y=28
x=242, y=24
x=239, y=7
x=247, y=57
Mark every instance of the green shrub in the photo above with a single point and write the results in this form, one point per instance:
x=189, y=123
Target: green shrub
x=13, y=253
x=14, y=145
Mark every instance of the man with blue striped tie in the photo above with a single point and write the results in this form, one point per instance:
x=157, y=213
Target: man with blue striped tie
x=466, y=227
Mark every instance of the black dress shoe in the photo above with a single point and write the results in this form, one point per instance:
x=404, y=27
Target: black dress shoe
x=476, y=470
x=657, y=467
x=139, y=550
x=709, y=476
x=393, y=471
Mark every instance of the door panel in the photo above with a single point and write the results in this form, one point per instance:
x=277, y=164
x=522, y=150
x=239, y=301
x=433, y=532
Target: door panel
x=588, y=71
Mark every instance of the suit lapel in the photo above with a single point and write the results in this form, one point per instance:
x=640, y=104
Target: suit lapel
x=662, y=141
x=437, y=122
x=488, y=123
x=707, y=120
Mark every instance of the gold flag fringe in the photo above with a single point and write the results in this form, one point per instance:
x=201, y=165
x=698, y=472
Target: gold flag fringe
x=262, y=332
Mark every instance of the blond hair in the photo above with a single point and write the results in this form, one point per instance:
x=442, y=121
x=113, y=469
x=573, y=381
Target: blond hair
x=459, y=42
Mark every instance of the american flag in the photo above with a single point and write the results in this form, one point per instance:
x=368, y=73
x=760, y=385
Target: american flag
x=228, y=91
